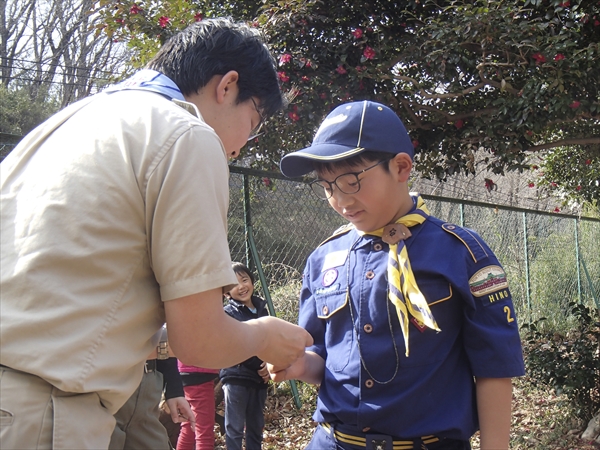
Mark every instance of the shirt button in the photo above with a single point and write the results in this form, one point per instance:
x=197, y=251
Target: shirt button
x=368, y=328
x=325, y=310
x=370, y=274
x=365, y=429
x=369, y=383
x=377, y=247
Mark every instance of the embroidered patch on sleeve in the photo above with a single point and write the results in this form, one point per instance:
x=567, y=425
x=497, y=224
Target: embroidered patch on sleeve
x=487, y=280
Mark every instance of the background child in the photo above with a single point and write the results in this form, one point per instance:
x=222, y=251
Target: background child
x=244, y=387
x=415, y=337
x=198, y=386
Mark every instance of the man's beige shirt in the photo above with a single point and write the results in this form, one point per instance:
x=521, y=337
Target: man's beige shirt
x=114, y=204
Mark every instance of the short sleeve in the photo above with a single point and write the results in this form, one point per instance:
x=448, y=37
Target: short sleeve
x=186, y=216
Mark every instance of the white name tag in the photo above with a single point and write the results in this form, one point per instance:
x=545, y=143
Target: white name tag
x=334, y=259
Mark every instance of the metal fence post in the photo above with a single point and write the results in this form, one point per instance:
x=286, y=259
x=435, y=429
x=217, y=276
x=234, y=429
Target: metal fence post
x=462, y=214
x=527, y=283
x=577, y=259
x=247, y=219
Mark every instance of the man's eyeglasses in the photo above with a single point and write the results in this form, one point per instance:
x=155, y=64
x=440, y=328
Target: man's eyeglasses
x=256, y=130
x=348, y=183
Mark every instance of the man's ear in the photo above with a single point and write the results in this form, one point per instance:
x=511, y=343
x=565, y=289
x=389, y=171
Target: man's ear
x=227, y=86
x=401, y=167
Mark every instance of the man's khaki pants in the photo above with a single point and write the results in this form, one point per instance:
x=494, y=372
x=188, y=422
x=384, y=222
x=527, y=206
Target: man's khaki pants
x=36, y=415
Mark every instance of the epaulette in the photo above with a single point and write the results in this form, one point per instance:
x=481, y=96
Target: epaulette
x=469, y=239
x=341, y=230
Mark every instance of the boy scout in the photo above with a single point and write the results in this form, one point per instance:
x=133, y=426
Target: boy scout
x=415, y=337
x=113, y=221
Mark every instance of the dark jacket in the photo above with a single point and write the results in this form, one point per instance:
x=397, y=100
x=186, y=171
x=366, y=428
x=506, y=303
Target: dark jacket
x=245, y=373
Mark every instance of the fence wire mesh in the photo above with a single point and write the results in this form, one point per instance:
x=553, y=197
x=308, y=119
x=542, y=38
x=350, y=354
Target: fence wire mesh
x=543, y=254
x=551, y=260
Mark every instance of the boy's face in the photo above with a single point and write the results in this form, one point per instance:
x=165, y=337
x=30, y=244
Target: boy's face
x=244, y=289
x=381, y=199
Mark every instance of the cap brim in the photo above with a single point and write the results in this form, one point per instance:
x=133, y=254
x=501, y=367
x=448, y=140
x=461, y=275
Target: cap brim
x=302, y=162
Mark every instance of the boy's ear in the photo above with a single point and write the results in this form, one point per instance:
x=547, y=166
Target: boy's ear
x=401, y=167
x=227, y=86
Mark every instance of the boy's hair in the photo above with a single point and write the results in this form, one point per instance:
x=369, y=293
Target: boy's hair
x=354, y=161
x=192, y=57
x=241, y=269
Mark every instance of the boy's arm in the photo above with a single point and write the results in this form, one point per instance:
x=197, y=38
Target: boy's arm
x=308, y=368
x=201, y=334
x=494, y=399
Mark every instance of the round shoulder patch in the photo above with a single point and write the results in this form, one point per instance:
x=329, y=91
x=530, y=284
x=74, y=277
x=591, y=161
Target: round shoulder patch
x=487, y=280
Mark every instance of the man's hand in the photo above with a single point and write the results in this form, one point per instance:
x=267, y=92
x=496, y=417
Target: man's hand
x=180, y=410
x=283, y=342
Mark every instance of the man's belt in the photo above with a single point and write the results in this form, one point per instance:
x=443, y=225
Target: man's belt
x=378, y=441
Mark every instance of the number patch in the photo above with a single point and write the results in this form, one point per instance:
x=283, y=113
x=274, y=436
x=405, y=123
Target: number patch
x=509, y=319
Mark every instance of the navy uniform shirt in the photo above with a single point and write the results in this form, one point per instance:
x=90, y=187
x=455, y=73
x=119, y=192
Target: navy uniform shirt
x=431, y=391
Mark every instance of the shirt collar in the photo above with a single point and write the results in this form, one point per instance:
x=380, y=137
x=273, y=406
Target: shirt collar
x=149, y=80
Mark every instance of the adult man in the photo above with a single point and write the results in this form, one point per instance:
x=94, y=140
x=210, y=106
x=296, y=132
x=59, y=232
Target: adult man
x=112, y=205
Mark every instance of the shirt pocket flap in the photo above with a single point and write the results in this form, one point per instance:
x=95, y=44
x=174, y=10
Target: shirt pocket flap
x=435, y=291
x=329, y=305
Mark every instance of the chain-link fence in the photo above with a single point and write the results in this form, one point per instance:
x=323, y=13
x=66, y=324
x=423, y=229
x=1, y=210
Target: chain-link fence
x=550, y=259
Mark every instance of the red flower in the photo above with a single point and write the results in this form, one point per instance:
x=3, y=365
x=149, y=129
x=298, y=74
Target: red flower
x=565, y=4
x=323, y=95
x=415, y=143
x=285, y=58
x=198, y=17
x=559, y=57
x=308, y=63
x=369, y=53
x=596, y=22
x=135, y=9
x=266, y=181
x=459, y=124
x=357, y=33
x=557, y=209
x=588, y=162
x=531, y=184
x=539, y=58
x=340, y=69
x=294, y=116
x=121, y=21
x=553, y=184
x=283, y=77
x=163, y=21
x=534, y=167
x=578, y=188
x=575, y=104
x=305, y=78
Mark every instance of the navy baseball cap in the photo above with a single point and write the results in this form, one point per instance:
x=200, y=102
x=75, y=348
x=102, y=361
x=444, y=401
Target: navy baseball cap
x=348, y=130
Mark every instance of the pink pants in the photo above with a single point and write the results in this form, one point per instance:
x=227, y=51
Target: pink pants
x=202, y=401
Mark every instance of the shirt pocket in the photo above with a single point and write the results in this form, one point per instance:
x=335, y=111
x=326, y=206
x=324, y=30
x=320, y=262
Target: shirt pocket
x=427, y=346
x=339, y=337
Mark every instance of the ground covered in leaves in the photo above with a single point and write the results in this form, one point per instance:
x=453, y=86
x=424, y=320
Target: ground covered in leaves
x=541, y=420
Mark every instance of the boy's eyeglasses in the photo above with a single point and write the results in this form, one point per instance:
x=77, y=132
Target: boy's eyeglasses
x=256, y=130
x=348, y=183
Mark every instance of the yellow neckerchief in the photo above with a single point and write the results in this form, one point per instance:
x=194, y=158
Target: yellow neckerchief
x=403, y=291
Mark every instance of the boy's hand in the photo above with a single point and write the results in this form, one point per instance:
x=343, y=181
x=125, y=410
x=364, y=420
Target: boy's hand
x=283, y=342
x=292, y=372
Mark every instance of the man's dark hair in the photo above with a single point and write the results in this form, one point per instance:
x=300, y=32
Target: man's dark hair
x=192, y=57
x=352, y=162
x=241, y=269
